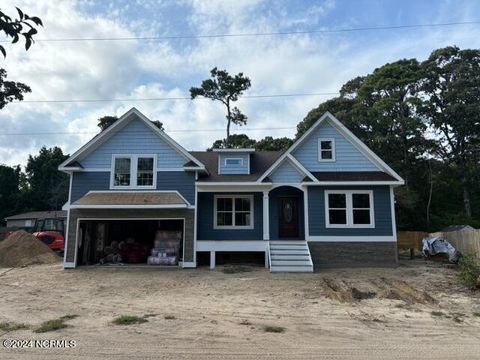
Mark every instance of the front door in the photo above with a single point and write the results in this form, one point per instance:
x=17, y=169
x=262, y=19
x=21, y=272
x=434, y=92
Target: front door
x=288, y=217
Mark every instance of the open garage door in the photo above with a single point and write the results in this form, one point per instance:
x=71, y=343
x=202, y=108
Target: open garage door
x=130, y=241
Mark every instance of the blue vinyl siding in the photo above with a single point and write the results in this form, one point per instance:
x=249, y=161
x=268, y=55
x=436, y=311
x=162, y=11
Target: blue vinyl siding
x=243, y=168
x=286, y=173
x=205, y=230
x=183, y=182
x=347, y=156
x=134, y=138
x=382, y=212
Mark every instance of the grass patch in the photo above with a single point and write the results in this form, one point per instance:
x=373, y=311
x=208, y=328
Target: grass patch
x=235, y=269
x=68, y=317
x=12, y=326
x=51, y=325
x=273, y=329
x=169, y=317
x=469, y=270
x=437, y=313
x=129, y=320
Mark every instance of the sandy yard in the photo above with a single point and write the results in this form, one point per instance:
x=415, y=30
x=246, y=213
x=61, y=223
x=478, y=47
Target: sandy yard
x=417, y=310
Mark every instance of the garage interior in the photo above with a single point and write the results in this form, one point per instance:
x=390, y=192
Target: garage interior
x=130, y=242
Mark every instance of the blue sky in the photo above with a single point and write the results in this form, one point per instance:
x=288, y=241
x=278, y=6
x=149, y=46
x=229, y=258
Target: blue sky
x=144, y=69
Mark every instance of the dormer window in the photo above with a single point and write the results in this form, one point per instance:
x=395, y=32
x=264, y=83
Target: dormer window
x=326, y=149
x=133, y=171
x=233, y=162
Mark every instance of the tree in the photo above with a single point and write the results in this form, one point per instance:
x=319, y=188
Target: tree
x=269, y=143
x=237, y=141
x=48, y=187
x=106, y=121
x=23, y=26
x=227, y=89
x=11, y=90
x=9, y=190
x=451, y=106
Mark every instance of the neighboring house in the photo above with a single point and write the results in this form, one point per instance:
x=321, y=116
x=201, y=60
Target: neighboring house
x=28, y=220
x=326, y=201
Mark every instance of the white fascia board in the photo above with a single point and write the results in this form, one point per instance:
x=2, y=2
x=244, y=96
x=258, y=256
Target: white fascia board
x=246, y=150
x=105, y=135
x=352, y=183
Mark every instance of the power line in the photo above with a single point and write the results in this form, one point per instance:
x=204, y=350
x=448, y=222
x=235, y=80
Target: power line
x=276, y=33
x=169, y=98
x=169, y=131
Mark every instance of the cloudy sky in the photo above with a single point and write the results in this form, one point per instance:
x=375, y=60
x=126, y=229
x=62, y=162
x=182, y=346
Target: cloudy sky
x=140, y=69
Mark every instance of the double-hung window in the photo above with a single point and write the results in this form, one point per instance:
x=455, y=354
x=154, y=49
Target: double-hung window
x=326, y=149
x=133, y=171
x=233, y=212
x=349, y=209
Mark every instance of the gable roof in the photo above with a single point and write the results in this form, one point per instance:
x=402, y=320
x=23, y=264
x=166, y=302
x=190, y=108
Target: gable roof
x=259, y=162
x=38, y=215
x=133, y=114
x=348, y=135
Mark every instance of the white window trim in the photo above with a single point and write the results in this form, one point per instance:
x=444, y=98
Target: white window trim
x=133, y=171
x=349, y=204
x=233, y=227
x=233, y=158
x=333, y=159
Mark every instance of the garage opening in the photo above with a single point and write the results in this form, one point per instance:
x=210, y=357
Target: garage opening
x=129, y=241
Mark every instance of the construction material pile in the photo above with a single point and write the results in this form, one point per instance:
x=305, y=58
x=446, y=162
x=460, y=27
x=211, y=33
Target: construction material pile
x=166, y=248
x=23, y=249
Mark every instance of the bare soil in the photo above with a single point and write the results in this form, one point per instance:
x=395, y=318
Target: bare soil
x=417, y=310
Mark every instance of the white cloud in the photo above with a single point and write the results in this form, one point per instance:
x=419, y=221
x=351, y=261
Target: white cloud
x=134, y=69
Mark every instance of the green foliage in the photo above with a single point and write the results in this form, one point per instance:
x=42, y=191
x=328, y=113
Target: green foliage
x=24, y=26
x=227, y=89
x=106, y=121
x=273, y=329
x=11, y=90
x=394, y=110
x=242, y=141
x=52, y=325
x=12, y=326
x=47, y=187
x=469, y=270
x=9, y=190
x=129, y=320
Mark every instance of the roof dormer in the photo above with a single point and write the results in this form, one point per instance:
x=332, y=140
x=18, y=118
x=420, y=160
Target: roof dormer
x=234, y=161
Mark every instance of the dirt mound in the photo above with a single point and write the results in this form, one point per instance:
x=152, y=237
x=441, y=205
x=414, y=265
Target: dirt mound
x=23, y=249
x=401, y=290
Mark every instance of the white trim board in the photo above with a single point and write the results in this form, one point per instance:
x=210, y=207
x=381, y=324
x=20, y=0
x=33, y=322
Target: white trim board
x=351, y=239
x=349, y=136
x=232, y=245
x=119, y=124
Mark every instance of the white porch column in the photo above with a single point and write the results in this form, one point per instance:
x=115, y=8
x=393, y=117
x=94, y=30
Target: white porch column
x=212, y=259
x=305, y=211
x=266, y=218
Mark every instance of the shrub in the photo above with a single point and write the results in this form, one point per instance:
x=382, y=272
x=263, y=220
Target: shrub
x=12, y=326
x=129, y=320
x=51, y=325
x=273, y=329
x=469, y=270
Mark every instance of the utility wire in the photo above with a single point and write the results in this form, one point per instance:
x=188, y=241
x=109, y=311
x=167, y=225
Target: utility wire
x=169, y=131
x=169, y=98
x=275, y=33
